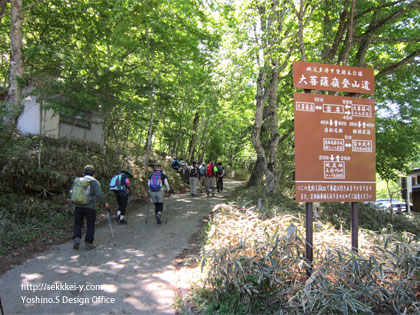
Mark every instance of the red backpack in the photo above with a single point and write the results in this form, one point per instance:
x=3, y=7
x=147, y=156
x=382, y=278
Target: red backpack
x=210, y=170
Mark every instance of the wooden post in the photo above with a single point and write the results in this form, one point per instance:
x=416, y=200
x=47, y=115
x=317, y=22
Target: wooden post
x=354, y=227
x=309, y=237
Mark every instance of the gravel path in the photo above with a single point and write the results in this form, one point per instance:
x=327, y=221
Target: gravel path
x=132, y=273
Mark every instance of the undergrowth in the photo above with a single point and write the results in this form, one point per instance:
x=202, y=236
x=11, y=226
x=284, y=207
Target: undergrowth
x=36, y=176
x=253, y=261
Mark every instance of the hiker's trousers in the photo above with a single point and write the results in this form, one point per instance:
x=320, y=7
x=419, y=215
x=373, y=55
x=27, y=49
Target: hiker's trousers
x=210, y=184
x=122, y=199
x=157, y=196
x=80, y=213
x=193, y=185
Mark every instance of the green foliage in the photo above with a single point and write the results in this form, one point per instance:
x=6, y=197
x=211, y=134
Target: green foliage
x=369, y=218
x=395, y=149
x=36, y=178
x=26, y=219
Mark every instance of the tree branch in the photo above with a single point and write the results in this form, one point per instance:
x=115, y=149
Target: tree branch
x=396, y=40
x=339, y=35
x=374, y=27
x=394, y=67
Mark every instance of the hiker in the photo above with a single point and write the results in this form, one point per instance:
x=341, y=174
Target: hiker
x=185, y=173
x=219, y=176
x=210, y=178
x=182, y=163
x=83, y=193
x=202, y=178
x=120, y=184
x=175, y=164
x=155, y=183
x=194, y=176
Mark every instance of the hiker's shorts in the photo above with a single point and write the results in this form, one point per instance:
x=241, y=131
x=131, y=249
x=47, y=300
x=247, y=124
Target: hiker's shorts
x=157, y=196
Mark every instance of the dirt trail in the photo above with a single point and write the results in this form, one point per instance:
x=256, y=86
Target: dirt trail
x=130, y=274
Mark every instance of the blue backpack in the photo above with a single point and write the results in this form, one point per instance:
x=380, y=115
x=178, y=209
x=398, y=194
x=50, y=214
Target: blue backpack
x=156, y=181
x=116, y=183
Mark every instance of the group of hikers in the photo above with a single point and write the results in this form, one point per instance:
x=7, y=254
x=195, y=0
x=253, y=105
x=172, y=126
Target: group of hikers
x=86, y=190
x=201, y=176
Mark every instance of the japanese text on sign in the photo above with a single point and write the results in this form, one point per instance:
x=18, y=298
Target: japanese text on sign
x=317, y=76
x=334, y=148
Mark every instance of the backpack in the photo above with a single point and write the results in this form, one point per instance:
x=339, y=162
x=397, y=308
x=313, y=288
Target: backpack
x=219, y=170
x=81, y=191
x=202, y=171
x=210, y=170
x=193, y=171
x=156, y=181
x=117, y=182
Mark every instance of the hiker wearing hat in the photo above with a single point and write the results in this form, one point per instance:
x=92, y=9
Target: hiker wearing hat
x=84, y=192
x=120, y=184
x=156, y=182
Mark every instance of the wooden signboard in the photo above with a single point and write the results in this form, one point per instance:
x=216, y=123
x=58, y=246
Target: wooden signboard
x=335, y=148
x=334, y=141
x=326, y=77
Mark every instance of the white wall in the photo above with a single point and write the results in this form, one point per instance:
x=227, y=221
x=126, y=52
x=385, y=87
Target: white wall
x=93, y=135
x=29, y=121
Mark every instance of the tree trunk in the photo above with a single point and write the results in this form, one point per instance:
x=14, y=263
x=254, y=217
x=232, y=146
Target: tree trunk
x=271, y=179
x=256, y=175
x=200, y=151
x=16, y=65
x=191, y=149
x=150, y=130
x=261, y=98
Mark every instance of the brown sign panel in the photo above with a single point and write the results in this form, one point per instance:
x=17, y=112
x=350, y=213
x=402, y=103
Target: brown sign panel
x=326, y=77
x=334, y=148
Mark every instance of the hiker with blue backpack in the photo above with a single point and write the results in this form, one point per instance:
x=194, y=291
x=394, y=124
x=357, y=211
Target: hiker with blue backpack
x=156, y=182
x=175, y=164
x=202, y=180
x=120, y=184
x=84, y=192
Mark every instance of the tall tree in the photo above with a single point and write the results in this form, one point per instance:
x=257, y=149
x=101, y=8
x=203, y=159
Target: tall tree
x=16, y=64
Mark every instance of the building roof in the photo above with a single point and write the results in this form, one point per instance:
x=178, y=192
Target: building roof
x=416, y=172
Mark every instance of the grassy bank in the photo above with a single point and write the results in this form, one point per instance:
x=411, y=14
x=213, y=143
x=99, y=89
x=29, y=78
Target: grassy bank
x=36, y=176
x=253, y=261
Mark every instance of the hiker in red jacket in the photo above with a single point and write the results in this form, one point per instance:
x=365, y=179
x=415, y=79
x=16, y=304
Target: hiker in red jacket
x=211, y=178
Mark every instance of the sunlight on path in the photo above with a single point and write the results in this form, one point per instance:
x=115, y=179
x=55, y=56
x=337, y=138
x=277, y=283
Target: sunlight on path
x=132, y=273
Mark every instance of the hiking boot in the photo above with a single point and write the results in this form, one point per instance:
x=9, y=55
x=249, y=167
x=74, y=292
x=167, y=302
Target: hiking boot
x=121, y=222
x=76, y=243
x=89, y=246
x=158, y=217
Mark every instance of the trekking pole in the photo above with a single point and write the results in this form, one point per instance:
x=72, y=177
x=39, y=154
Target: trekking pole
x=167, y=208
x=109, y=221
x=1, y=307
x=148, y=210
x=126, y=209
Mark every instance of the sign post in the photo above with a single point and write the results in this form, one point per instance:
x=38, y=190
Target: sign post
x=334, y=140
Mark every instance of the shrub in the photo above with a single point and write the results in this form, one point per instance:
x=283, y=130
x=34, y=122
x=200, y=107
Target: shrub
x=257, y=265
